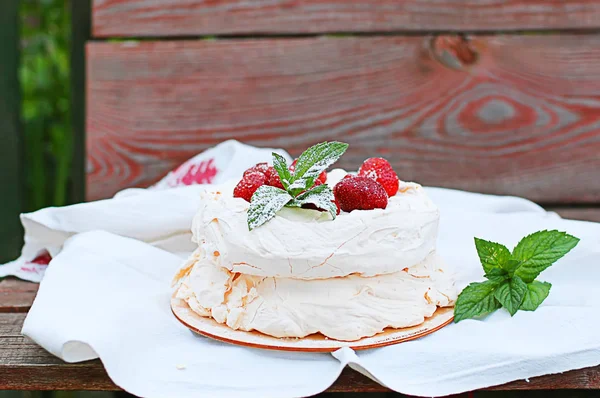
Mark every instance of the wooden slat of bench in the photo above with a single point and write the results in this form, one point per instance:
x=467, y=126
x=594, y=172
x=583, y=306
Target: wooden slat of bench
x=524, y=119
x=184, y=18
x=16, y=295
x=583, y=214
x=26, y=366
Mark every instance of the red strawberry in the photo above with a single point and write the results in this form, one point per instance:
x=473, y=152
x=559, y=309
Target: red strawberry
x=274, y=180
x=270, y=172
x=380, y=170
x=260, y=167
x=360, y=193
x=251, y=181
x=322, y=177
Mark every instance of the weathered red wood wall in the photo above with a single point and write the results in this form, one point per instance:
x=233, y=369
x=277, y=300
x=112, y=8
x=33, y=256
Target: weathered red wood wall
x=496, y=111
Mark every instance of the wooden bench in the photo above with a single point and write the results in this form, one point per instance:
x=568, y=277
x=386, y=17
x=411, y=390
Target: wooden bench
x=512, y=107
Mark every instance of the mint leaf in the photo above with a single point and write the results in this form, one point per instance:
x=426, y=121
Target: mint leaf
x=321, y=196
x=475, y=300
x=498, y=279
x=280, y=165
x=511, y=293
x=535, y=295
x=540, y=250
x=496, y=272
x=492, y=255
x=314, y=160
x=265, y=203
x=511, y=266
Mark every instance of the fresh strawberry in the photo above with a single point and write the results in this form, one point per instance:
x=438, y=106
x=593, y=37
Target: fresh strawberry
x=322, y=177
x=260, y=167
x=360, y=193
x=274, y=180
x=380, y=170
x=251, y=181
x=270, y=172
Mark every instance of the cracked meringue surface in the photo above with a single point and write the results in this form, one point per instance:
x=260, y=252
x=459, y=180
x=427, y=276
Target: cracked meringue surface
x=344, y=308
x=307, y=244
x=302, y=273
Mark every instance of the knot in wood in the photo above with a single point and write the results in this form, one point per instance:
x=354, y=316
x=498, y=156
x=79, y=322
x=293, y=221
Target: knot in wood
x=453, y=51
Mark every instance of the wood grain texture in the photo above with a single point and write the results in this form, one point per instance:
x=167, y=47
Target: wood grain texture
x=513, y=115
x=576, y=213
x=16, y=295
x=26, y=366
x=184, y=18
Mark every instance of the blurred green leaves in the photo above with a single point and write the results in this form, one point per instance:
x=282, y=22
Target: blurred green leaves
x=44, y=76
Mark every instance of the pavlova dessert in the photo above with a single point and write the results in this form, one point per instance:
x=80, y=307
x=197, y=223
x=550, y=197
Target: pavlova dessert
x=291, y=251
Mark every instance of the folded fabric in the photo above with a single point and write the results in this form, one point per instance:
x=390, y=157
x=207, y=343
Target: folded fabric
x=158, y=216
x=108, y=296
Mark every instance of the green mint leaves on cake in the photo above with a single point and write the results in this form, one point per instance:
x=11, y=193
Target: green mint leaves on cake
x=293, y=186
x=511, y=276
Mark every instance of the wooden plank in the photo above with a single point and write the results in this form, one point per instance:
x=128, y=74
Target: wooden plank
x=80, y=33
x=26, y=366
x=16, y=295
x=135, y=18
x=513, y=115
x=578, y=213
x=11, y=179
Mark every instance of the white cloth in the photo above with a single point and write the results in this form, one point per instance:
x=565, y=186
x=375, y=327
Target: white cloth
x=108, y=296
x=158, y=216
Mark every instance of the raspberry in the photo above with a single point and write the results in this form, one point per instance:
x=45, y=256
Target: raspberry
x=360, y=193
x=251, y=181
x=322, y=177
x=380, y=170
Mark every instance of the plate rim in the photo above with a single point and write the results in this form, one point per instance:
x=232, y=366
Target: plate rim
x=355, y=345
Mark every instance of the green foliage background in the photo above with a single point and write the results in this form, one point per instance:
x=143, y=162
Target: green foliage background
x=44, y=75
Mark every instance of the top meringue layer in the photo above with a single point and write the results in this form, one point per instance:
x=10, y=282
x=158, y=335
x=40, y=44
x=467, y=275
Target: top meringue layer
x=308, y=244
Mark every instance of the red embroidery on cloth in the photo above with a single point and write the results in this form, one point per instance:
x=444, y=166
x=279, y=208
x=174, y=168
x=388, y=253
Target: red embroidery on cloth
x=38, y=264
x=201, y=173
x=42, y=258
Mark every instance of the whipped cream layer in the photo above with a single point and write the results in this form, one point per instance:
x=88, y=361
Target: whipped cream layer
x=346, y=308
x=308, y=244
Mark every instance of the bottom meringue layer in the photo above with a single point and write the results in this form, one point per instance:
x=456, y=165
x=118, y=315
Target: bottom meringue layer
x=342, y=308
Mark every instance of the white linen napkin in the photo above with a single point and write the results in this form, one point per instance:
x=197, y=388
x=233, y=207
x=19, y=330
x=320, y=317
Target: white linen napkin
x=158, y=216
x=108, y=296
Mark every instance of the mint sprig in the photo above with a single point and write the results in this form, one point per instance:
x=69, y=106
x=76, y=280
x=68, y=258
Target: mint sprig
x=511, y=276
x=298, y=186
